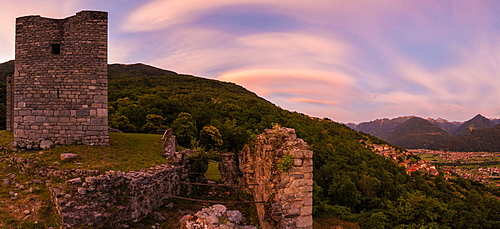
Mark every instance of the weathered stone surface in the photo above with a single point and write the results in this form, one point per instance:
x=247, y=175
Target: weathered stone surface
x=77, y=180
x=58, y=91
x=215, y=216
x=46, y=144
x=82, y=190
x=288, y=194
x=116, y=197
x=68, y=156
x=304, y=222
x=228, y=169
x=234, y=216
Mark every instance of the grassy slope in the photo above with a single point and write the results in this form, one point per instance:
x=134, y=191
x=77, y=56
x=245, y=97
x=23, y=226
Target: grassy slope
x=127, y=152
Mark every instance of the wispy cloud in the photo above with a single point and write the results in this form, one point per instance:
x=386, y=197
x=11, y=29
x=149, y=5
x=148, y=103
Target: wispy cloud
x=13, y=9
x=347, y=60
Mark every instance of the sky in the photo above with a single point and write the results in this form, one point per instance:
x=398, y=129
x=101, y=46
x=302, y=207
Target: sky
x=347, y=60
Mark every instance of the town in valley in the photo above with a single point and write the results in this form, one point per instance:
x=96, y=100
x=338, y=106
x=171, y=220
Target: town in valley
x=483, y=167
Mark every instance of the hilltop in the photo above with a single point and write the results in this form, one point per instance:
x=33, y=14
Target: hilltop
x=351, y=183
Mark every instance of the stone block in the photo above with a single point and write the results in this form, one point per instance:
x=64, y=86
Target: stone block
x=306, y=169
x=102, y=112
x=40, y=118
x=292, y=212
x=83, y=112
x=306, y=189
x=308, y=154
x=37, y=112
x=307, y=162
x=24, y=112
x=68, y=156
x=297, y=153
x=306, y=210
x=29, y=118
x=297, y=175
x=301, y=183
x=308, y=201
x=304, y=222
x=101, y=99
x=45, y=144
x=48, y=112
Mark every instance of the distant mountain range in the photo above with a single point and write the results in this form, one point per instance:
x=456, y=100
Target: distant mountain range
x=411, y=132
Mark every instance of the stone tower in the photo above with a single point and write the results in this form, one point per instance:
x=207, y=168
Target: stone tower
x=59, y=88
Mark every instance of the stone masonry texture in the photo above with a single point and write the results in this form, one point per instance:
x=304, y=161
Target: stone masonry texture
x=278, y=170
x=59, y=87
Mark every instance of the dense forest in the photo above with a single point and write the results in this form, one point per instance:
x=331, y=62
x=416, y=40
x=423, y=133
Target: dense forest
x=351, y=182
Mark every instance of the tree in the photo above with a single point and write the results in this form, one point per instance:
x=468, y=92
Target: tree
x=153, y=123
x=419, y=210
x=210, y=138
x=184, y=128
x=343, y=192
x=122, y=123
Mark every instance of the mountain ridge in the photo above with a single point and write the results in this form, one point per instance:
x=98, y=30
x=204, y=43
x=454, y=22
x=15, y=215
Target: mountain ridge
x=461, y=136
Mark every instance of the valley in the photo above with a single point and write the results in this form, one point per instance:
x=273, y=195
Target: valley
x=483, y=167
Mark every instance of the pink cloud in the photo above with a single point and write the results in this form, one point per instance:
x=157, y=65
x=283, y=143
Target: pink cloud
x=312, y=101
x=297, y=85
x=161, y=14
x=12, y=9
x=343, y=59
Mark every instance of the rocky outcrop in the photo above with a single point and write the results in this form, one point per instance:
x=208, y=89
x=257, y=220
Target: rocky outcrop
x=215, y=216
x=115, y=198
x=277, y=169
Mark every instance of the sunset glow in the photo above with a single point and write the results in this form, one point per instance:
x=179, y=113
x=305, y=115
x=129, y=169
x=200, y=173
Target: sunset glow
x=350, y=61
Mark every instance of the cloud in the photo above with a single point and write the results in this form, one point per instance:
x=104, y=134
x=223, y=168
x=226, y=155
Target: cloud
x=12, y=9
x=296, y=85
x=312, y=101
x=347, y=60
x=161, y=14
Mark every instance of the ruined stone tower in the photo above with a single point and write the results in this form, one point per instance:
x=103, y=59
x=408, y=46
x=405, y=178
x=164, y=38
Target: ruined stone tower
x=59, y=88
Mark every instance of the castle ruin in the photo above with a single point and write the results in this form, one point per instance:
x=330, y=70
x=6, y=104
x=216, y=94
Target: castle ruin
x=58, y=91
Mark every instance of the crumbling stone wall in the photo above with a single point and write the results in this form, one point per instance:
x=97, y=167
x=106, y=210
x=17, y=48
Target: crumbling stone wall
x=169, y=143
x=115, y=198
x=59, y=87
x=278, y=168
x=228, y=169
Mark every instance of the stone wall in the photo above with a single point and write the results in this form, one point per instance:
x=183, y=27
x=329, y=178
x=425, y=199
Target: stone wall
x=115, y=198
x=278, y=168
x=59, y=87
x=228, y=169
x=169, y=143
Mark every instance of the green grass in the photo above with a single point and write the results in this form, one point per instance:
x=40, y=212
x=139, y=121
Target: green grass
x=468, y=166
x=126, y=152
x=431, y=157
x=213, y=172
x=6, y=138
